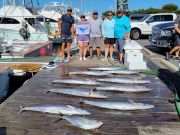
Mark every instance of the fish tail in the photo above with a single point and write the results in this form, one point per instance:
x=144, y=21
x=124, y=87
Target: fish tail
x=21, y=109
x=47, y=91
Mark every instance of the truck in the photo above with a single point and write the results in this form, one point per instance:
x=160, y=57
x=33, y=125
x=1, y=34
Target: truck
x=145, y=25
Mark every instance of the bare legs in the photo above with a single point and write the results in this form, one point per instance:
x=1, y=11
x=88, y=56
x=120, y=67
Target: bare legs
x=176, y=50
x=83, y=50
x=108, y=48
x=121, y=55
x=98, y=49
x=68, y=50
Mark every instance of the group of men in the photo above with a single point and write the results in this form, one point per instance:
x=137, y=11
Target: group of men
x=93, y=32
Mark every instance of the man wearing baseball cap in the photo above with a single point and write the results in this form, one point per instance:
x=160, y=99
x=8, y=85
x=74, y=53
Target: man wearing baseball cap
x=121, y=31
x=95, y=34
x=66, y=32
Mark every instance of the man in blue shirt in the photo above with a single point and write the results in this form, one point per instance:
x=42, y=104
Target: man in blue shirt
x=121, y=31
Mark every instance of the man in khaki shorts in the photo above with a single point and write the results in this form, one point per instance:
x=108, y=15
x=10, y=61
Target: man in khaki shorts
x=95, y=34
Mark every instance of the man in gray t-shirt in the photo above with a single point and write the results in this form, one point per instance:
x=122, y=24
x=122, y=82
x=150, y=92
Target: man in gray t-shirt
x=95, y=34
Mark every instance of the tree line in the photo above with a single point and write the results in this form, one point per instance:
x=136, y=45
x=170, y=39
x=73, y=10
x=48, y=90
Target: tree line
x=167, y=8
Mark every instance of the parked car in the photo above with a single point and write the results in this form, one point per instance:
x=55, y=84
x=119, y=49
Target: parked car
x=144, y=26
x=136, y=17
x=163, y=35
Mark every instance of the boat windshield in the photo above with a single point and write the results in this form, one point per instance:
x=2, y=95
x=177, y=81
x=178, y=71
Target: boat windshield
x=35, y=24
x=144, y=18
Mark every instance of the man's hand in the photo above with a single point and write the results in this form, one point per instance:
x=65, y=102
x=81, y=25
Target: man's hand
x=72, y=36
x=126, y=36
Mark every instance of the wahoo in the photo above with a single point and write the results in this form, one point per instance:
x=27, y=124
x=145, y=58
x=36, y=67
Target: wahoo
x=122, y=88
x=94, y=73
x=82, y=123
x=119, y=105
x=78, y=92
x=124, y=80
x=105, y=68
x=56, y=109
x=76, y=81
x=122, y=72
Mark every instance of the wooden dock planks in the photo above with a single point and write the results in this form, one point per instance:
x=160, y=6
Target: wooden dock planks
x=162, y=120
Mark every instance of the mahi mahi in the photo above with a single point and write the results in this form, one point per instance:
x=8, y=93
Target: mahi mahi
x=76, y=81
x=56, y=109
x=105, y=68
x=83, y=123
x=122, y=72
x=124, y=80
x=92, y=73
x=78, y=92
x=119, y=105
x=123, y=88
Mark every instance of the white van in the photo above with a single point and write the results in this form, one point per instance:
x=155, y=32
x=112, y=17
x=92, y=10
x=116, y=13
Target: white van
x=144, y=26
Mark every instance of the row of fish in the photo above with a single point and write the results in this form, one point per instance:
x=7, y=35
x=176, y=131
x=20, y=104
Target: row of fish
x=67, y=111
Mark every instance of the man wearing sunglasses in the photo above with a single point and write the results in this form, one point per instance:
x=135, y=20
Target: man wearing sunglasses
x=95, y=34
x=66, y=32
x=122, y=29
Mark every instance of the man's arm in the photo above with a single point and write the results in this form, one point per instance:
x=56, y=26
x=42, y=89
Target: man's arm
x=128, y=27
x=72, y=31
x=176, y=28
x=59, y=26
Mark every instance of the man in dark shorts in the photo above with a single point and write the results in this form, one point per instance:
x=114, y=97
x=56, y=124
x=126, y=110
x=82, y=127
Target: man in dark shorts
x=121, y=30
x=66, y=32
x=176, y=49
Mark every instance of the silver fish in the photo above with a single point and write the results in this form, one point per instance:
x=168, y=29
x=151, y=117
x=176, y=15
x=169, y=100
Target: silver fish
x=76, y=81
x=105, y=68
x=83, y=123
x=78, y=92
x=56, y=109
x=122, y=72
x=119, y=105
x=124, y=80
x=94, y=73
x=123, y=88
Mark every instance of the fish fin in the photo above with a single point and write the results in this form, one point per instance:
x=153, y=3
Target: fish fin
x=47, y=91
x=81, y=102
x=60, y=117
x=21, y=109
x=131, y=101
x=70, y=106
x=66, y=74
x=92, y=90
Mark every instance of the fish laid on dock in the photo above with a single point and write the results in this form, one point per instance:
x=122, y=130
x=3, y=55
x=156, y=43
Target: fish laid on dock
x=122, y=88
x=122, y=72
x=76, y=81
x=91, y=73
x=83, y=123
x=124, y=80
x=56, y=109
x=119, y=105
x=105, y=68
x=78, y=92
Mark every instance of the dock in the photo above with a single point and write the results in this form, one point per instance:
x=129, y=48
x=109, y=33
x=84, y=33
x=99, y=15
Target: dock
x=162, y=120
x=23, y=49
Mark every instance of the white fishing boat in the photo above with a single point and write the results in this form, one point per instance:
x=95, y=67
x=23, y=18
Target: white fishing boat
x=12, y=19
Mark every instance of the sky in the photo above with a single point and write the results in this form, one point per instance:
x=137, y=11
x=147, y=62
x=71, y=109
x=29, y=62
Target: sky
x=103, y=5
